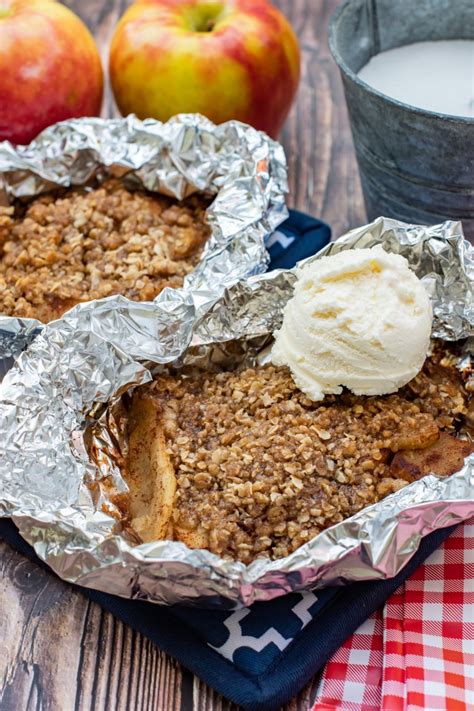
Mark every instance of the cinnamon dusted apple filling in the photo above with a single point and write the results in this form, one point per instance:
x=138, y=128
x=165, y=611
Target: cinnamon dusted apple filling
x=65, y=249
x=242, y=463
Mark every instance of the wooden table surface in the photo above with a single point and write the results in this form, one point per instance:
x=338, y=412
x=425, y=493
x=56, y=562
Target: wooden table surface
x=60, y=652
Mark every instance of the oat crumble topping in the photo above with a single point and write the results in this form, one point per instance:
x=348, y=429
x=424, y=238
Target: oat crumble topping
x=85, y=245
x=260, y=469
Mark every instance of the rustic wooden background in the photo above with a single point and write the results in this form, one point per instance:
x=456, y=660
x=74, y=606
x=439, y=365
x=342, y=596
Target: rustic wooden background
x=59, y=652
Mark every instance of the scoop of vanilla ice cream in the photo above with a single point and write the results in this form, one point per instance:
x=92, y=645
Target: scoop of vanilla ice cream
x=360, y=318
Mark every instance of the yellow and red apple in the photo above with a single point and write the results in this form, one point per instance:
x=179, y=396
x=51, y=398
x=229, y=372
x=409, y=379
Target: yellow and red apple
x=226, y=59
x=50, y=68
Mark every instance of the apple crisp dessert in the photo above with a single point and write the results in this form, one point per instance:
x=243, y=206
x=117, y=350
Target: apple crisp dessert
x=80, y=245
x=244, y=464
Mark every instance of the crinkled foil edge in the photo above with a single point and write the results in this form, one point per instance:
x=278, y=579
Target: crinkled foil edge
x=99, y=350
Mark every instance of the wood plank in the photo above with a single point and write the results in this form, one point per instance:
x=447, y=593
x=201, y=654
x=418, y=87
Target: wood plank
x=60, y=652
x=323, y=172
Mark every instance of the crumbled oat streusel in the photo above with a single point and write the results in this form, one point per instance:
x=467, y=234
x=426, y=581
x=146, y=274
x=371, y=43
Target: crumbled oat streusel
x=261, y=469
x=85, y=245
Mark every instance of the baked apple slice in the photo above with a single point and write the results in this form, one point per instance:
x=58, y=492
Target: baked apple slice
x=151, y=478
x=443, y=458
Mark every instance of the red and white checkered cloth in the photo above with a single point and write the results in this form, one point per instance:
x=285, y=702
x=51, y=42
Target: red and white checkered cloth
x=418, y=652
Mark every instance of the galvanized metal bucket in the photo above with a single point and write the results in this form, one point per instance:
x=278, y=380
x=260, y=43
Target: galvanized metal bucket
x=415, y=165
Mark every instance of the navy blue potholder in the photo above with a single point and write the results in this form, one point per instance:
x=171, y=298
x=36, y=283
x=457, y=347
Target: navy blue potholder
x=258, y=657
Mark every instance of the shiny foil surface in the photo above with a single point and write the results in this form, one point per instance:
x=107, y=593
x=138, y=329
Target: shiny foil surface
x=66, y=385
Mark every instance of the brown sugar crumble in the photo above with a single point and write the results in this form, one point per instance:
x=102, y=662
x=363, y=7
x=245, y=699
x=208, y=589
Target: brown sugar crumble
x=260, y=469
x=85, y=245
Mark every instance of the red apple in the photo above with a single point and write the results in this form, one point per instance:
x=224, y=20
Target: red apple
x=50, y=68
x=226, y=59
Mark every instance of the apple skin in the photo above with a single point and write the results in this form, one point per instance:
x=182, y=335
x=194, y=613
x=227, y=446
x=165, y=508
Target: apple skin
x=50, y=68
x=246, y=66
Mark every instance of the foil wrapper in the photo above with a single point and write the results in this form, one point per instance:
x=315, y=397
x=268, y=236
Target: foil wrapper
x=68, y=382
x=244, y=168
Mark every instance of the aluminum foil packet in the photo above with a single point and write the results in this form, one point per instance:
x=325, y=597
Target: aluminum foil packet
x=71, y=375
x=244, y=168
